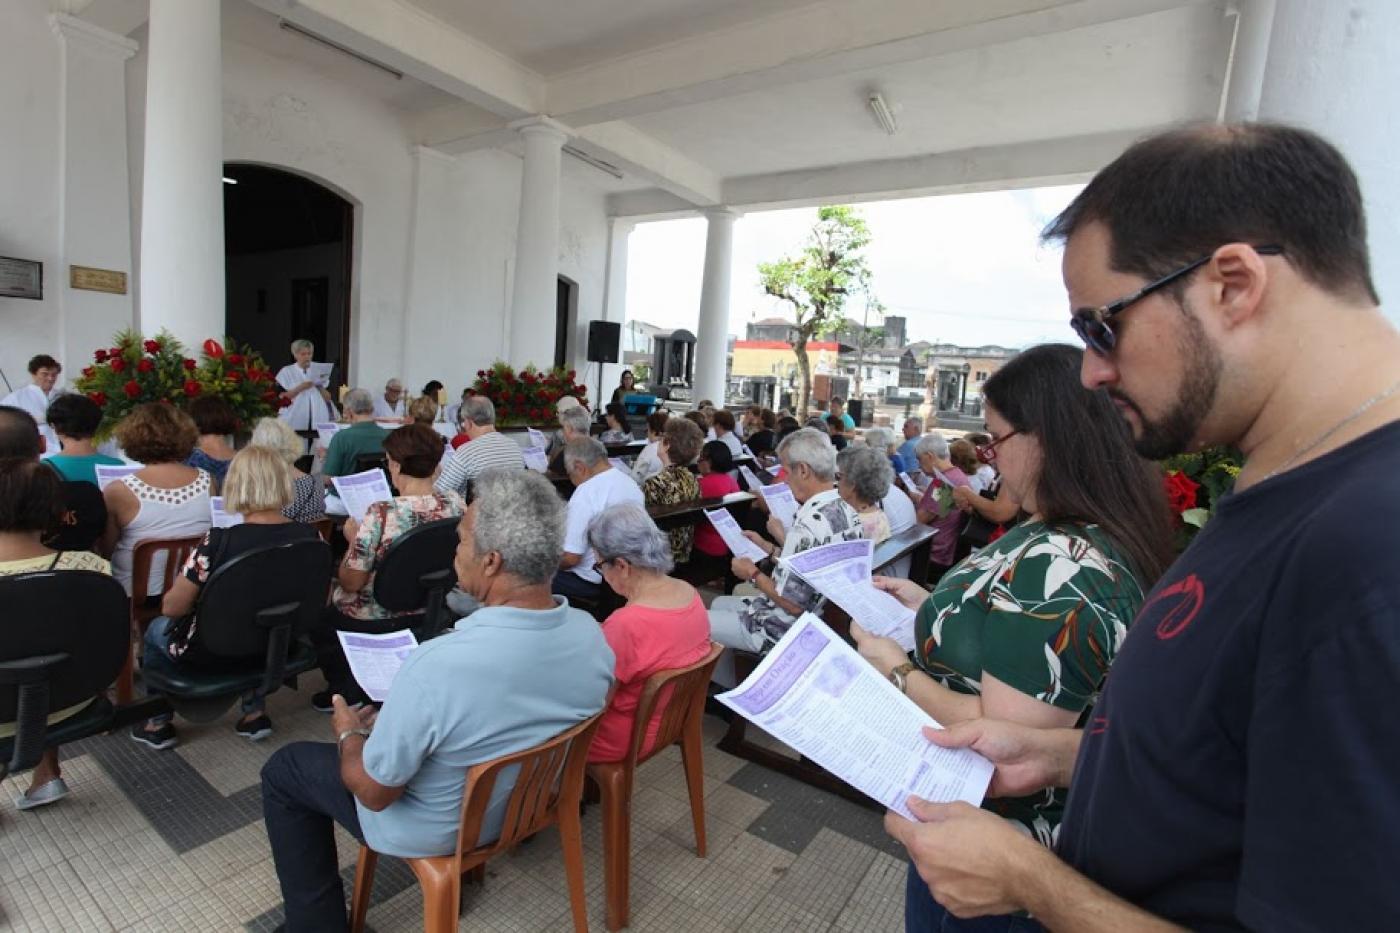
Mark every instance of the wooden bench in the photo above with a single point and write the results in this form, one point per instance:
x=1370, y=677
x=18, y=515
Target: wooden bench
x=692, y=513
x=915, y=542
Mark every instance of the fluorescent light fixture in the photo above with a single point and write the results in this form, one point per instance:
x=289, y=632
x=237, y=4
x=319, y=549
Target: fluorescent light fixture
x=322, y=40
x=230, y=181
x=884, y=115
x=597, y=163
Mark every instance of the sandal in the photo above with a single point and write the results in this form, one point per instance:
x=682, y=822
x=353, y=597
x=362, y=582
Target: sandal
x=49, y=792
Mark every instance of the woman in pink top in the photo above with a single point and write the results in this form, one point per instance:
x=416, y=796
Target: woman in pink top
x=663, y=626
x=714, y=466
x=936, y=506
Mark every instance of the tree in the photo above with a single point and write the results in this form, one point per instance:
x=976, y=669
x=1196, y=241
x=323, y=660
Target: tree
x=819, y=280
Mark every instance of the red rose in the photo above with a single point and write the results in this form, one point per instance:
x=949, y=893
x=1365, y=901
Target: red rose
x=152, y=346
x=283, y=401
x=997, y=532
x=235, y=359
x=87, y=372
x=118, y=365
x=189, y=365
x=145, y=366
x=212, y=349
x=536, y=414
x=270, y=396
x=132, y=388
x=1181, y=491
x=115, y=351
x=481, y=374
x=520, y=398
x=235, y=377
x=192, y=388
x=98, y=398
x=100, y=356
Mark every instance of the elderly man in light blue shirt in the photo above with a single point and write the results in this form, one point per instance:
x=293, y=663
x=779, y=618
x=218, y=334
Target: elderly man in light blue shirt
x=519, y=671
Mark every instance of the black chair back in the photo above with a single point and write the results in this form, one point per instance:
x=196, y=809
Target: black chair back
x=375, y=461
x=261, y=590
x=416, y=573
x=67, y=633
x=84, y=518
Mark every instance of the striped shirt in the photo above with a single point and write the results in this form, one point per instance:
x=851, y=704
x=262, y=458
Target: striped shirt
x=491, y=451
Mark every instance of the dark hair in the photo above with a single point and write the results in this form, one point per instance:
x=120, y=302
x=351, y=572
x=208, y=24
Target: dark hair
x=43, y=361
x=157, y=433
x=837, y=400
x=769, y=419
x=1175, y=197
x=656, y=421
x=963, y=455
x=19, y=434
x=31, y=496
x=683, y=439
x=1089, y=470
x=618, y=411
x=416, y=448
x=720, y=457
x=836, y=421
x=432, y=389
x=786, y=425
x=213, y=415
x=723, y=418
x=75, y=416
x=698, y=418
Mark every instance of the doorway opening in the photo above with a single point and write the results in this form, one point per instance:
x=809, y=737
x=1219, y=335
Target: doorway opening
x=565, y=314
x=287, y=262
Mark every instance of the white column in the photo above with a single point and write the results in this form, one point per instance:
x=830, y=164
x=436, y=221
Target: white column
x=94, y=189
x=615, y=292
x=1333, y=68
x=712, y=336
x=1254, y=23
x=537, y=245
x=182, y=206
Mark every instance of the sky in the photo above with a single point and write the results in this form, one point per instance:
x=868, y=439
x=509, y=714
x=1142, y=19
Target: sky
x=966, y=269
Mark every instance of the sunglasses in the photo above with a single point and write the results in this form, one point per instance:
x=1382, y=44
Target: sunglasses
x=1092, y=324
x=988, y=453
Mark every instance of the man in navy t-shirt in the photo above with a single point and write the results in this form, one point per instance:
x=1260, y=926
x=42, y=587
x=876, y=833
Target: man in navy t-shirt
x=1242, y=769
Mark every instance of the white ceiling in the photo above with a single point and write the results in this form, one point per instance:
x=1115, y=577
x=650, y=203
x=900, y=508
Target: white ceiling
x=555, y=36
x=1130, y=74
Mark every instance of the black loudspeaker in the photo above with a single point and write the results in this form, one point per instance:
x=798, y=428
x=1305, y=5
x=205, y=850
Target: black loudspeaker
x=604, y=338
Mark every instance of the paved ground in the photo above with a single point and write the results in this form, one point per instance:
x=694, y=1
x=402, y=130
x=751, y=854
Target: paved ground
x=174, y=841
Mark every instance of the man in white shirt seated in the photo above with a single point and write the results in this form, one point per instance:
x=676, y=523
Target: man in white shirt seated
x=723, y=426
x=597, y=486
x=488, y=448
x=35, y=397
x=521, y=670
x=390, y=406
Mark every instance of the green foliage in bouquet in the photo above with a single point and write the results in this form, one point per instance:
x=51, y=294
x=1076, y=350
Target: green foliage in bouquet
x=526, y=397
x=1195, y=485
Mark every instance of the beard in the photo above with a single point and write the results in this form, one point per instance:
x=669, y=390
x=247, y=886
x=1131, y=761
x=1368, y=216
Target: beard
x=1174, y=431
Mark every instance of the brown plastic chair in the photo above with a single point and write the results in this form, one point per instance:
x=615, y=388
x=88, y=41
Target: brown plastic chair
x=176, y=550
x=547, y=791
x=682, y=690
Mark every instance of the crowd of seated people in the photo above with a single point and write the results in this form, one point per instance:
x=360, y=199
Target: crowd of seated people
x=308, y=492
x=597, y=485
x=617, y=430
x=360, y=437
x=74, y=419
x=865, y=478
x=488, y=449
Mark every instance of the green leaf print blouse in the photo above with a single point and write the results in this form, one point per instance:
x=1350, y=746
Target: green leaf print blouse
x=1043, y=609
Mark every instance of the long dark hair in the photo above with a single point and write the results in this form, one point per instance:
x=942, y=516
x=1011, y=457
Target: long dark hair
x=1089, y=471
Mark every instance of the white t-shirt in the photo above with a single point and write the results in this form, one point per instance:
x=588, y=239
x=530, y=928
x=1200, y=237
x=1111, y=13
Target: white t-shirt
x=736, y=446
x=608, y=488
x=647, y=464
x=899, y=509
x=32, y=399
x=382, y=408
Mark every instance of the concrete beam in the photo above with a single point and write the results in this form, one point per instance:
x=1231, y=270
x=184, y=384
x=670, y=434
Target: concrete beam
x=402, y=36
x=828, y=38
x=648, y=158
x=122, y=17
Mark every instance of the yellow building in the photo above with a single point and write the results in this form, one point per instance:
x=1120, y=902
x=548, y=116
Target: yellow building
x=775, y=358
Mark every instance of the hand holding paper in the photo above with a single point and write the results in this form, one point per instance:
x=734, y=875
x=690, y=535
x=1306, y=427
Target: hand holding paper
x=734, y=539
x=375, y=659
x=841, y=573
x=359, y=491
x=781, y=504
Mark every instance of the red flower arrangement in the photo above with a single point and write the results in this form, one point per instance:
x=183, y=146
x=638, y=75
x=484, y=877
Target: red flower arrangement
x=526, y=397
x=1195, y=483
x=138, y=370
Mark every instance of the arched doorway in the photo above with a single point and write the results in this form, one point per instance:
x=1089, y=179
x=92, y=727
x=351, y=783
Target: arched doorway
x=287, y=254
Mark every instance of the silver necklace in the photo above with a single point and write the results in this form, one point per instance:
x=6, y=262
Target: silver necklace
x=1361, y=410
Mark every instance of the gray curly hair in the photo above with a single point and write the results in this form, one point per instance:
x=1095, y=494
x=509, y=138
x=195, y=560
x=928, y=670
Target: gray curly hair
x=866, y=471
x=627, y=531
x=520, y=517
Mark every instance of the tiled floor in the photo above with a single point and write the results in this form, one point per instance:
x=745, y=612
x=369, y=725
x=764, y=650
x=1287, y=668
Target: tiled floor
x=174, y=841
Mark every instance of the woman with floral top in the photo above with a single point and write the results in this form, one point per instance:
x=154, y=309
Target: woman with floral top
x=675, y=484
x=1025, y=629
x=413, y=452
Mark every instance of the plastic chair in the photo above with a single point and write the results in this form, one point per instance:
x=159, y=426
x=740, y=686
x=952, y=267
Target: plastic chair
x=65, y=634
x=416, y=574
x=176, y=550
x=546, y=791
x=250, y=612
x=682, y=691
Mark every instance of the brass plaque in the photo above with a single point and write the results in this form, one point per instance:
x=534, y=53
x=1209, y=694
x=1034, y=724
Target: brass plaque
x=97, y=280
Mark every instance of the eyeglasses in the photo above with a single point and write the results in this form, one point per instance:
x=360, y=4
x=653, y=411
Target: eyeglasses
x=988, y=453
x=598, y=567
x=1092, y=324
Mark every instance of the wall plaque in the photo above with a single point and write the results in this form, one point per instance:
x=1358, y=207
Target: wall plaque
x=21, y=278
x=97, y=280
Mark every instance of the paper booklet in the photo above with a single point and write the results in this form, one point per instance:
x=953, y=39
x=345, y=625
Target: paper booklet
x=320, y=374
x=751, y=477
x=536, y=459
x=909, y=483
x=375, y=659
x=537, y=438
x=109, y=473
x=218, y=517
x=359, y=491
x=814, y=693
x=733, y=537
x=780, y=502
x=841, y=573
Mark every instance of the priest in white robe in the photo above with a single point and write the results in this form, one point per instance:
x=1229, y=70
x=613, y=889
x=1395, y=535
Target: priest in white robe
x=306, y=384
x=35, y=397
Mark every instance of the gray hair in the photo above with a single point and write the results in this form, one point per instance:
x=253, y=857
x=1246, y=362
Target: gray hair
x=867, y=471
x=934, y=443
x=881, y=439
x=587, y=451
x=812, y=447
x=276, y=434
x=394, y=382
x=521, y=518
x=627, y=531
x=302, y=343
x=478, y=410
x=818, y=423
x=916, y=421
x=575, y=419
x=358, y=402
